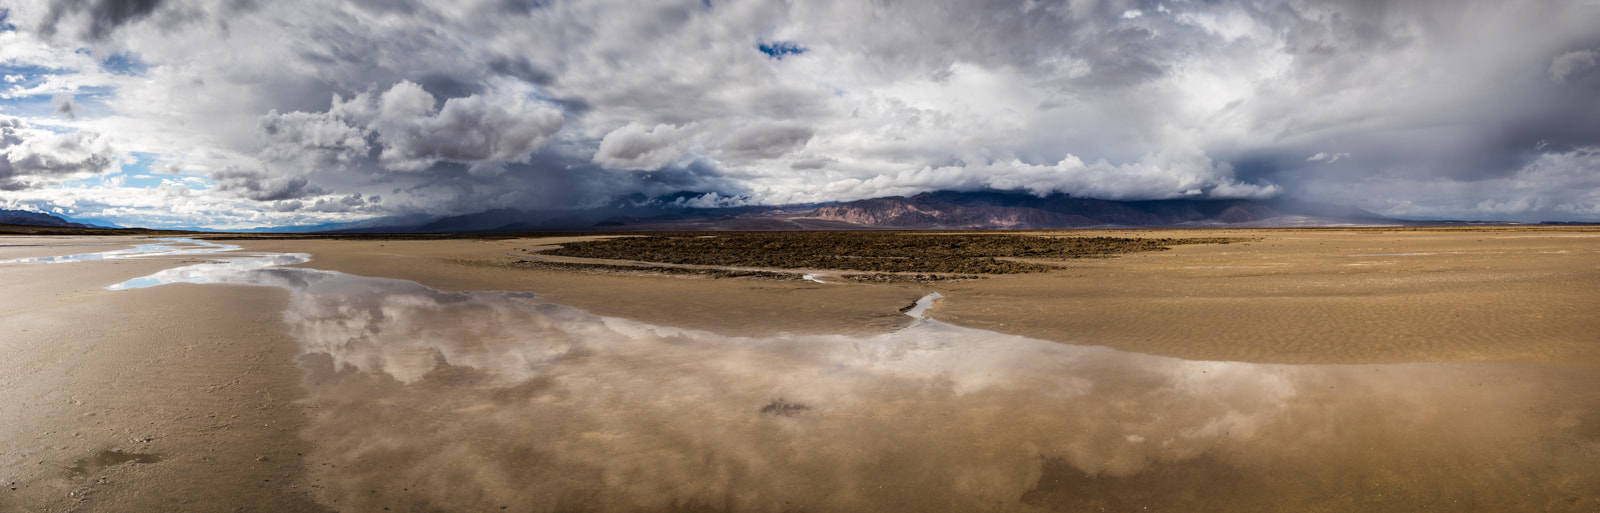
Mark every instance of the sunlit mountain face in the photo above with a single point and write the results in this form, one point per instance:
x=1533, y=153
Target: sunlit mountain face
x=237, y=115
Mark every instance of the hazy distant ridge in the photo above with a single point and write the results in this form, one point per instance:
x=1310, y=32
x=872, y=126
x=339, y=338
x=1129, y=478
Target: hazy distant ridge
x=1001, y=210
x=932, y=210
x=26, y=218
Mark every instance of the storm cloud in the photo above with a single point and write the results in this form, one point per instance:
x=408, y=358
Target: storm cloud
x=99, y=17
x=31, y=158
x=260, y=187
x=1420, y=109
x=409, y=132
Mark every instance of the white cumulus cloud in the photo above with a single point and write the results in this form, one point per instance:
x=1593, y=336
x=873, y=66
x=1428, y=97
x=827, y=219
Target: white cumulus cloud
x=31, y=157
x=636, y=147
x=411, y=133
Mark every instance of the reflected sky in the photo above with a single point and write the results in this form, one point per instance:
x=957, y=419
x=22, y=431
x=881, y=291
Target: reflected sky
x=425, y=400
x=235, y=270
x=166, y=247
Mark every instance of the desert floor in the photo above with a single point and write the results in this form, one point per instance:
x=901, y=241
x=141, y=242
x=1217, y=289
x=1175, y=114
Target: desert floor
x=1285, y=296
x=1373, y=369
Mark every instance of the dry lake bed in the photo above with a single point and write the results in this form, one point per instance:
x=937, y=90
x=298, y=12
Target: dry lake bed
x=1373, y=369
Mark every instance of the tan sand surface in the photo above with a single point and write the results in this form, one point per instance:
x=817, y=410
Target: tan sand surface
x=176, y=398
x=1316, y=296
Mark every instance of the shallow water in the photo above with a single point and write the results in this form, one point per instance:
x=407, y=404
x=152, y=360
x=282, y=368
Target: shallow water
x=426, y=400
x=167, y=247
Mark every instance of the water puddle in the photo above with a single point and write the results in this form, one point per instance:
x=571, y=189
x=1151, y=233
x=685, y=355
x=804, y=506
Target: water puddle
x=234, y=270
x=110, y=458
x=481, y=400
x=919, y=311
x=167, y=247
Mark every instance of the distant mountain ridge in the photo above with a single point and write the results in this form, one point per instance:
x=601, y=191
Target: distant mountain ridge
x=1004, y=210
x=982, y=210
x=624, y=213
x=26, y=218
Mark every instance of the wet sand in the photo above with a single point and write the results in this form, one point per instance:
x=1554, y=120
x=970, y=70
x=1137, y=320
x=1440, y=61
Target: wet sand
x=477, y=401
x=374, y=395
x=48, y=246
x=171, y=399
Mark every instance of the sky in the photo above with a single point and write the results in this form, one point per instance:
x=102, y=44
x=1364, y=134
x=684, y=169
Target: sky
x=232, y=114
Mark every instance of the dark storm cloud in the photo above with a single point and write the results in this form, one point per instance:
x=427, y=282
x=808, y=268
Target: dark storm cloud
x=347, y=203
x=445, y=87
x=461, y=107
x=767, y=141
x=1417, y=95
x=104, y=16
x=518, y=67
x=258, y=186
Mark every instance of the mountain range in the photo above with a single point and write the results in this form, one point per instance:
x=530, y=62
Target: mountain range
x=1003, y=210
x=26, y=218
x=982, y=210
x=940, y=210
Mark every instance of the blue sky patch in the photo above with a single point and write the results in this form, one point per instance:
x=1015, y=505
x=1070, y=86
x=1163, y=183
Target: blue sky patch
x=125, y=64
x=139, y=175
x=780, y=49
x=28, y=107
x=23, y=75
x=89, y=101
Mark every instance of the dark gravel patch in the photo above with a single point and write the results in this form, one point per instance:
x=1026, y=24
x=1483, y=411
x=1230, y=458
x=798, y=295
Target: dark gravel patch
x=883, y=252
x=652, y=270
